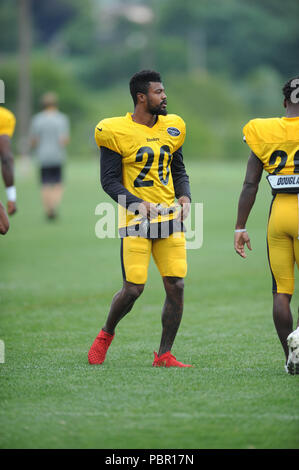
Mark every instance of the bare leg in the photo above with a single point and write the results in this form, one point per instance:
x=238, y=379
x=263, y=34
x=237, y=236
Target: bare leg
x=57, y=194
x=122, y=304
x=283, y=319
x=172, y=312
x=51, y=197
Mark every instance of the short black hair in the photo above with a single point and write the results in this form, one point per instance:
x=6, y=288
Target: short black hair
x=288, y=88
x=139, y=83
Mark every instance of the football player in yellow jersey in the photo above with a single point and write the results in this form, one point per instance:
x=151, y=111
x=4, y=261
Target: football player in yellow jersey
x=274, y=145
x=7, y=126
x=142, y=169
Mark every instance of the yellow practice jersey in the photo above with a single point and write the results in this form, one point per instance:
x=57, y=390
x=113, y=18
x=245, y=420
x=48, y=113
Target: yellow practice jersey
x=146, y=156
x=275, y=142
x=7, y=122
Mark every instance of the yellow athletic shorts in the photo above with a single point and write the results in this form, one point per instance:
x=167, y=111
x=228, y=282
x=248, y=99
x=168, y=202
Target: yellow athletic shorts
x=169, y=255
x=283, y=242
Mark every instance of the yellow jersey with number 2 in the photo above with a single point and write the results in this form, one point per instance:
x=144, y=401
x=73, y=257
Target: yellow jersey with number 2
x=7, y=122
x=275, y=142
x=147, y=154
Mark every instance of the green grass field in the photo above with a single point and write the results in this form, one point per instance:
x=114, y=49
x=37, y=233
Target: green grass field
x=57, y=281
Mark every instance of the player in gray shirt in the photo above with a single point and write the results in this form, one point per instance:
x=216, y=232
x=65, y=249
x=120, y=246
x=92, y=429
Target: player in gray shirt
x=49, y=134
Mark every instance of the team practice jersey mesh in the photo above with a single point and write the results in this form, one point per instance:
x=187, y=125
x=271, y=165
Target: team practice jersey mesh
x=146, y=154
x=275, y=142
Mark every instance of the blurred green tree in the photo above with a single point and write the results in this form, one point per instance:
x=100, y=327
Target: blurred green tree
x=222, y=61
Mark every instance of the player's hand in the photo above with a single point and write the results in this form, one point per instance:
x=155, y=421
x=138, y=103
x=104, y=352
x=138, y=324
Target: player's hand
x=185, y=203
x=4, y=222
x=148, y=210
x=242, y=239
x=11, y=207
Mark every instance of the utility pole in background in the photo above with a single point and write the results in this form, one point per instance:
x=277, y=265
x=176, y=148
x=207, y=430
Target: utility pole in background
x=24, y=86
x=197, y=51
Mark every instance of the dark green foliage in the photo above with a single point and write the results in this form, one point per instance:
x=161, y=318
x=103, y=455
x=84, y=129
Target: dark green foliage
x=223, y=62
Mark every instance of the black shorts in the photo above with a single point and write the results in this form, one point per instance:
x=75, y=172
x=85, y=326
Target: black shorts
x=51, y=174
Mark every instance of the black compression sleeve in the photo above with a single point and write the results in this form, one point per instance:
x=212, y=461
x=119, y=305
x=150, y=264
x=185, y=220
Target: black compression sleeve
x=111, y=177
x=180, y=178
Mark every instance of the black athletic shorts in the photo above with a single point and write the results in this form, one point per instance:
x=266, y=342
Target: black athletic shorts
x=51, y=174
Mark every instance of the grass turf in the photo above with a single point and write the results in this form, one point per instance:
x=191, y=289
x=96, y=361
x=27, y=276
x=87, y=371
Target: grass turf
x=56, y=286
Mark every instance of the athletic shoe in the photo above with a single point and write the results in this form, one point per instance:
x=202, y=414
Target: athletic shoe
x=293, y=359
x=51, y=215
x=167, y=360
x=99, y=348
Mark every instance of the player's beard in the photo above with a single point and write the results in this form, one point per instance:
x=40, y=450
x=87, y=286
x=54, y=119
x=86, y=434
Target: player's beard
x=156, y=110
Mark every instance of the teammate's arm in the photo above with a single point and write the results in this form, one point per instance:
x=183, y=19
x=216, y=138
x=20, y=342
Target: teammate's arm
x=181, y=183
x=7, y=167
x=33, y=142
x=246, y=201
x=111, y=181
x=65, y=134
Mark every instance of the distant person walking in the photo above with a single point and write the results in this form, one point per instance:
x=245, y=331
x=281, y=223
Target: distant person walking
x=49, y=135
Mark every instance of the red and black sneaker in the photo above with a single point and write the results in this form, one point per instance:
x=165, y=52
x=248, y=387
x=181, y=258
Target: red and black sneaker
x=167, y=360
x=99, y=348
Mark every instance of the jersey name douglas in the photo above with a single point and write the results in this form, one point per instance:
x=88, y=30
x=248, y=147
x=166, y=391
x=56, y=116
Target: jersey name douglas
x=146, y=154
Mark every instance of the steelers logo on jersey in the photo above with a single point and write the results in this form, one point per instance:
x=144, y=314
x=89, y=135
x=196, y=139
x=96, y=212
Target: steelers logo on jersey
x=173, y=131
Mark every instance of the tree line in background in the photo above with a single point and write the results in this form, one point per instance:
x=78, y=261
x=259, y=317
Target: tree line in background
x=223, y=62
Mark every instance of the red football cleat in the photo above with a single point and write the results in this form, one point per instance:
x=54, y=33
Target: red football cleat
x=99, y=348
x=167, y=360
